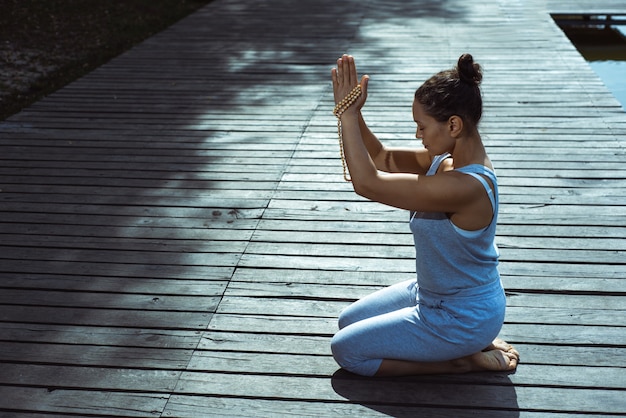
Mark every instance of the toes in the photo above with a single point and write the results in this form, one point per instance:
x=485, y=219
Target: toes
x=501, y=358
x=511, y=360
x=499, y=344
x=495, y=360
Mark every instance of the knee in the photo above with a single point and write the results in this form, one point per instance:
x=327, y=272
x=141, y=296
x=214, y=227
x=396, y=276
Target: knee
x=341, y=352
x=348, y=356
x=336, y=348
x=343, y=320
x=348, y=316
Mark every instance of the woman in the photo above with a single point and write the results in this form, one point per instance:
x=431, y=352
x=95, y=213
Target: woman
x=447, y=320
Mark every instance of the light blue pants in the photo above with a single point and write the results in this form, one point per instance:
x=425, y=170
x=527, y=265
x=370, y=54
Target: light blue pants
x=404, y=322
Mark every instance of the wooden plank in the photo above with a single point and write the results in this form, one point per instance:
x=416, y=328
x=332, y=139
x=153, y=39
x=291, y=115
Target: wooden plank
x=601, y=310
x=155, y=301
x=517, y=215
x=19, y=399
x=285, y=230
x=177, y=240
x=184, y=405
x=111, y=379
x=376, y=238
x=106, y=317
x=324, y=366
x=93, y=355
x=567, y=282
x=532, y=354
x=99, y=335
x=128, y=219
x=528, y=333
x=296, y=292
x=608, y=213
x=414, y=392
x=104, y=201
x=164, y=271
x=104, y=284
x=581, y=262
x=142, y=213
x=201, y=245
x=152, y=258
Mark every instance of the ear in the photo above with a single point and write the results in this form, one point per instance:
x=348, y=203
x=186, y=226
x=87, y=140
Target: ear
x=455, y=126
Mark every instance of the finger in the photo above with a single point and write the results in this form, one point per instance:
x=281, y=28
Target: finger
x=352, y=71
x=340, y=71
x=341, y=67
x=364, y=82
x=347, y=71
x=333, y=76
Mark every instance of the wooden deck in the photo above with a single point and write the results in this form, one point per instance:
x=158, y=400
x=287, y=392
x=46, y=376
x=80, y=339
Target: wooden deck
x=177, y=239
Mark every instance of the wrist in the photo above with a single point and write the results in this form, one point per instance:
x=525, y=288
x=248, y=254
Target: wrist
x=346, y=104
x=350, y=113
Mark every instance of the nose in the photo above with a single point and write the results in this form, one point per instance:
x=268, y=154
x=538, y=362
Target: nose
x=418, y=133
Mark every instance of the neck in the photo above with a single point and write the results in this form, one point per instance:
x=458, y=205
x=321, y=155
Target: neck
x=469, y=149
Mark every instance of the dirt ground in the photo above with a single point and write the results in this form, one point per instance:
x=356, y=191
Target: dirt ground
x=45, y=44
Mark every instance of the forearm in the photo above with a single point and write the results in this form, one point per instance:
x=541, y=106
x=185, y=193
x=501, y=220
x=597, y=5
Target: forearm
x=358, y=157
x=392, y=160
x=378, y=152
x=373, y=145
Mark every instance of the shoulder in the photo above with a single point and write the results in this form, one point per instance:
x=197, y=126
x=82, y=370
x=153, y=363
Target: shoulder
x=446, y=165
x=450, y=190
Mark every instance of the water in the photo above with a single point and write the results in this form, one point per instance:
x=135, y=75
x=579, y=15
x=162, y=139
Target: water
x=605, y=50
x=613, y=73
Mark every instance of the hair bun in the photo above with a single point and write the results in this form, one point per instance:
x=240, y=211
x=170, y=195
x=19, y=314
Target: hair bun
x=469, y=71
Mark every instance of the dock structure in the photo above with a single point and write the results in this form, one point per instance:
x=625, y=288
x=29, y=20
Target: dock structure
x=177, y=239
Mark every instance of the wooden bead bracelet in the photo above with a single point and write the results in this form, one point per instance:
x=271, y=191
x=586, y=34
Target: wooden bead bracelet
x=341, y=107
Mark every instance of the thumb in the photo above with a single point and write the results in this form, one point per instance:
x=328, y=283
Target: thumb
x=364, y=80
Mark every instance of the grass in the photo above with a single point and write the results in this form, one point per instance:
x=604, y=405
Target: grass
x=49, y=43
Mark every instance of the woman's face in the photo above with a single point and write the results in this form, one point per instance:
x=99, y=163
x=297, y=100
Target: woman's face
x=434, y=134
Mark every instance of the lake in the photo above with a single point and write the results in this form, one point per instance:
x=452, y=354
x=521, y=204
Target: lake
x=603, y=46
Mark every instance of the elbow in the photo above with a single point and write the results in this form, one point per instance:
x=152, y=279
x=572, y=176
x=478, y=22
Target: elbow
x=365, y=178
x=364, y=187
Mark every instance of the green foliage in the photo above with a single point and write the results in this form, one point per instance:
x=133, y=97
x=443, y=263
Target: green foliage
x=45, y=44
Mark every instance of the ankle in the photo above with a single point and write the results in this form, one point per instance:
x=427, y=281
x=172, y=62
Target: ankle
x=462, y=365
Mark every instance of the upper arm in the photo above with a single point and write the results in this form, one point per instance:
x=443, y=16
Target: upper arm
x=402, y=160
x=448, y=192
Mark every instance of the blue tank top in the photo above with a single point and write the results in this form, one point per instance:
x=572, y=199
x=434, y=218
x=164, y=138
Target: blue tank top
x=451, y=261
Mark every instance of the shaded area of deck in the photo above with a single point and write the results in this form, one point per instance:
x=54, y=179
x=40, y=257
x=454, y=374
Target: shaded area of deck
x=177, y=239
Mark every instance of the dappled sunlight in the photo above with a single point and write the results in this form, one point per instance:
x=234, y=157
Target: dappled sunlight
x=186, y=199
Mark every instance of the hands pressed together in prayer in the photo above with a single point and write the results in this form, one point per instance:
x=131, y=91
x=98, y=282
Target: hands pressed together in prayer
x=345, y=79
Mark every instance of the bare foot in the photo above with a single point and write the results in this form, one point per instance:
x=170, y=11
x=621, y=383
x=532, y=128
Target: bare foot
x=493, y=360
x=499, y=344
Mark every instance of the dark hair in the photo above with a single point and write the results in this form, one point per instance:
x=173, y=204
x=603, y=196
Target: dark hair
x=454, y=92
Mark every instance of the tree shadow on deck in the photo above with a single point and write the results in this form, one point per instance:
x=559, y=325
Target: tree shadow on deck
x=433, y=396
x=129, y=196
